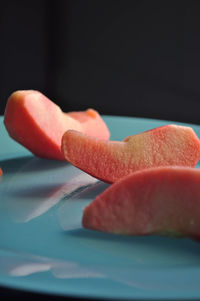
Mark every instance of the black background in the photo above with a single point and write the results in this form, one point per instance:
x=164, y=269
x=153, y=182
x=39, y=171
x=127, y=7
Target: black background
x=121, y=57
x=132, y=58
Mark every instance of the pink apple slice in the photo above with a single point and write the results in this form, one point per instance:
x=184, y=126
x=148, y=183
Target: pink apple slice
x=110, y=161
x=162, y=200
x=37, y=123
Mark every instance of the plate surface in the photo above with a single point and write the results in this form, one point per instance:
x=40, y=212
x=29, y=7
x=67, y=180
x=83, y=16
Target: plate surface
x=43, y=247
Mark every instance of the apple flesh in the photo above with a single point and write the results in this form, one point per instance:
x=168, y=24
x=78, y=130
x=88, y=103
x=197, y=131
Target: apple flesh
x=110, y=161
x=92, y=123
x=38, y=123
x=162, y=200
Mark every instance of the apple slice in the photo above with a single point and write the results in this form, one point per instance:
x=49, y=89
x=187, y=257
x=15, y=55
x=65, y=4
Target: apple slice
x=162, y=200
x=38, y=124
x=1, y=172
x=92, y=123
x=110, y=161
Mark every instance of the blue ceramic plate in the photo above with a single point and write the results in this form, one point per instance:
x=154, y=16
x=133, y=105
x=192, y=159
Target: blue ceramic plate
x=43, y=247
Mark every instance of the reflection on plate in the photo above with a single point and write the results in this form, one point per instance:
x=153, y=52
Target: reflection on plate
x=33, y=195
x=44, y=248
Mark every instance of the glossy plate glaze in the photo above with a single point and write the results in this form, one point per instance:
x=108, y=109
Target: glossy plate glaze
x=44, y=248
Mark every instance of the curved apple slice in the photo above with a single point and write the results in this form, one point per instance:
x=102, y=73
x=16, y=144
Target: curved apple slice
x=162, y=200
x=92, y=123
x=38, y=124
x=112, y=160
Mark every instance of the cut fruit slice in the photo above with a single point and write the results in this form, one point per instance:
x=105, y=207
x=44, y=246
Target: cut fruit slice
x=110, y=161
x=92, y=123
x=1, y=172
x=162, y=200
x=38, y=124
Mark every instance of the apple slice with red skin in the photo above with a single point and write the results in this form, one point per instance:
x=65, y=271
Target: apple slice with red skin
x=110, y=161
x=38, y=124
x=1, y=172
x=162, y=200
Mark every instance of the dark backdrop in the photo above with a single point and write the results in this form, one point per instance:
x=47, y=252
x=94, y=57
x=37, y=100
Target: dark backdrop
x=135, y=58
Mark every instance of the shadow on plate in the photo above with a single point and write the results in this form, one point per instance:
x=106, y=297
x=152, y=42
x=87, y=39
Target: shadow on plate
x=151, y=250
x=89, y=193
x=11, y=166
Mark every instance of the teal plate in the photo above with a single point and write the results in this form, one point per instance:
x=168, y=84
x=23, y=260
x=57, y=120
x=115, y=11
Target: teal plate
x=43, y=247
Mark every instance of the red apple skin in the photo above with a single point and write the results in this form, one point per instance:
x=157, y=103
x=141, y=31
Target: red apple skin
x=38, y=123
x=162, y=200
x=1, y=172
x=110, y=161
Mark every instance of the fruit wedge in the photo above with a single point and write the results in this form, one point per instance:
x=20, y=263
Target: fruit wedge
x=110, y=161
x=1, y=172
x=38, y=124
x=162, y=200
x=92, y=123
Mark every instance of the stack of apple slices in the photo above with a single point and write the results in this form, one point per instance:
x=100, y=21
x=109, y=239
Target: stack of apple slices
x=155, y=190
